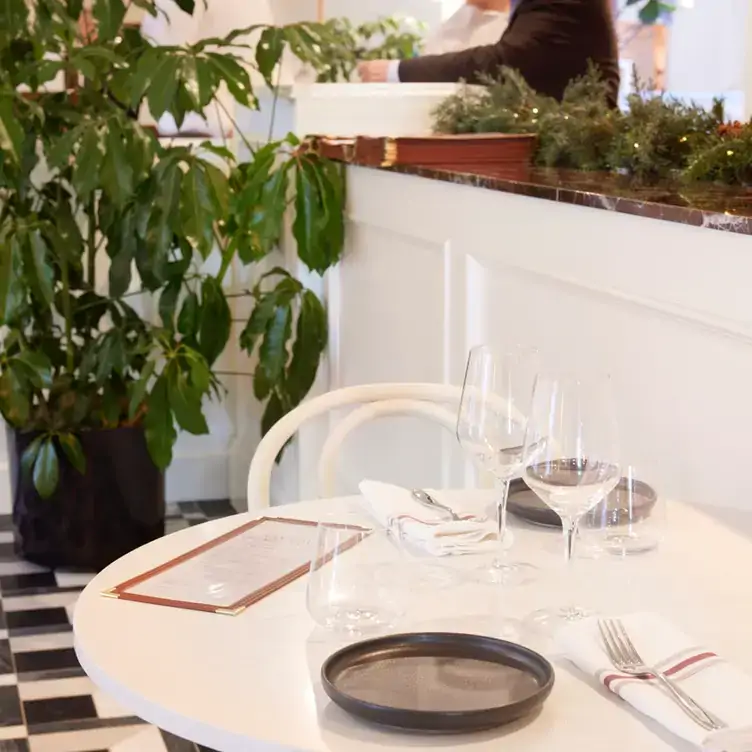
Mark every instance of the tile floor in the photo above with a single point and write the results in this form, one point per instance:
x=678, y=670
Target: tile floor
x=47, y=703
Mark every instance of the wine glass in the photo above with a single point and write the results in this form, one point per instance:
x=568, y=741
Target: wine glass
x=572, y=459
x=491, y=426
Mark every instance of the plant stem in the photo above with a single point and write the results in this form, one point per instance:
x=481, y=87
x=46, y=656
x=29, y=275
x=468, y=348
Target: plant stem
x=274, y=101
x=69, y=354
x=234, y=122
x=92, y=244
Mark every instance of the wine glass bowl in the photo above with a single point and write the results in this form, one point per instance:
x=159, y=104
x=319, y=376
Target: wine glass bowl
x=572, y=486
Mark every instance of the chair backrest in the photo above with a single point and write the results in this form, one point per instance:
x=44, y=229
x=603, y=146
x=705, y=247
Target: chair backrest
x=376, y=400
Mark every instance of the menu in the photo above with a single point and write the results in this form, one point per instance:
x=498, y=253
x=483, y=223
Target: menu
x=233, y=571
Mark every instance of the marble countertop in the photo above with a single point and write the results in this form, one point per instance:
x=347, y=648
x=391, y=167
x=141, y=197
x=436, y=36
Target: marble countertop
x=699, y=205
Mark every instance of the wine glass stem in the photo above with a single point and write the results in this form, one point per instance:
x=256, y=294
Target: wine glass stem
x=569, y=526
x=502, y=487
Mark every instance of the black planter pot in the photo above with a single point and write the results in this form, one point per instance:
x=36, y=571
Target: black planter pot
x=94, y=518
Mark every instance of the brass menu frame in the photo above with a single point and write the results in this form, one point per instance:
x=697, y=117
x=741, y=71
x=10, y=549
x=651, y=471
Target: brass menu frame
x=122, y=591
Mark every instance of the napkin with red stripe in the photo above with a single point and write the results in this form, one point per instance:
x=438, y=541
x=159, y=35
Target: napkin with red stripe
x=430, y=529
x=714, y=683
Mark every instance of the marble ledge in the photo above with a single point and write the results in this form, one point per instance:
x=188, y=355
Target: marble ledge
x=700, y=205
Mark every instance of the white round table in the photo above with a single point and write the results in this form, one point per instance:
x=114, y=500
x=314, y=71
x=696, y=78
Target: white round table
x=251, y=682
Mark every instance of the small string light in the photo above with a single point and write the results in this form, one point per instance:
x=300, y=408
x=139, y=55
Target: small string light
x=636, y=146
x=730, y=152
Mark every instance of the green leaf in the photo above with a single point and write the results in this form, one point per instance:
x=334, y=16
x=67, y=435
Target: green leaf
x=262, y=386
x=138, y=389
x=650, y=12
x=29, y=457
x=186, y=404
x=117, y=173
x=14, y=402
x=235, y=76
x=269, y=50
x=109, y=15
x=219, y=190
x=215, y=320
x=59, y=150
x=142, y=75
x=273, y=351
x=159, y=424
x=37, y=367
x=188, y=318
x=46, y=469
x=196, y=209
x=121, y=266
x=163, y=86
x=168, y=301
x=73, y=451
x=43, y=271
x=273, y=411
x=207, y=81
x=11, y=132
x=88, y=162
x=258, y=321
x=310, y=341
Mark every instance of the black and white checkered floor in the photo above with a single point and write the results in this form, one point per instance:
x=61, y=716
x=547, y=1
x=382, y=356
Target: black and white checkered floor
x=47, y=703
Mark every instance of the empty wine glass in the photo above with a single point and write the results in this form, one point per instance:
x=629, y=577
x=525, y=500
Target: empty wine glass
x=572, y=450
x=491, y=426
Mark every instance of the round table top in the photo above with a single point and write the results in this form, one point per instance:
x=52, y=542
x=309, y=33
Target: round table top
x=252, y=681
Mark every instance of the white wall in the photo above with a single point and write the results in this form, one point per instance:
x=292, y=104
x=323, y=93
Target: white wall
x=662, y=306
x=430, y=11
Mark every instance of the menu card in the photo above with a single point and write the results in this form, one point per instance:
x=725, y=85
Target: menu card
x=230, y=573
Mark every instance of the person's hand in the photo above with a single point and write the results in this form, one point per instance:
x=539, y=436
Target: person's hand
x=373, y=71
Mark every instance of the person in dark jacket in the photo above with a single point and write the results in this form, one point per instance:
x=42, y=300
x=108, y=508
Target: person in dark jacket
x=550, y=42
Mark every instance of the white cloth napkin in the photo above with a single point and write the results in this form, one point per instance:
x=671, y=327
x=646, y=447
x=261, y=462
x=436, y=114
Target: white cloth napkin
x=715, y=684
x=430, y=529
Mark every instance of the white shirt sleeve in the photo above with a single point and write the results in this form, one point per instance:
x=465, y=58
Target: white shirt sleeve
x=392, y=73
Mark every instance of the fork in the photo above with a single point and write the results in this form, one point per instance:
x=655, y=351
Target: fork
x=626, y=659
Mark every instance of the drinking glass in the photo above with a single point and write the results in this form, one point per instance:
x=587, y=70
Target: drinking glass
x=491, y=424
x=354, y=579
x=572, y=459
x=630, y=520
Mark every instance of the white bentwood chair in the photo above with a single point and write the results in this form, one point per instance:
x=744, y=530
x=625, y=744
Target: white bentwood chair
x=376, y=400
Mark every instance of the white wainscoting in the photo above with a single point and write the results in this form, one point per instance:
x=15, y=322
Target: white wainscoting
x=432, y=268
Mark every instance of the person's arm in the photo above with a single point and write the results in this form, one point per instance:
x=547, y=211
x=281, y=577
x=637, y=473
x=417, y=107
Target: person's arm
x=469, y=65
x=528, y=45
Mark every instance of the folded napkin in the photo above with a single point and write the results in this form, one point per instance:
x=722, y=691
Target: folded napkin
x=712, y=682
x=432, y=530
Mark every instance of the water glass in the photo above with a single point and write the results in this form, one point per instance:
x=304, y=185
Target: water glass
x=631, y=520
x=354, y=580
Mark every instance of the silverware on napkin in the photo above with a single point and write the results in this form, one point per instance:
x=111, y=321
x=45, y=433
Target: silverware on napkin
x=625, y=658
x=423, y=497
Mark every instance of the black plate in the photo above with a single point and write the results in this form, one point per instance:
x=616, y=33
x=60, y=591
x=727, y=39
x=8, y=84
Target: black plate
x=526, y=505
x=437, y=682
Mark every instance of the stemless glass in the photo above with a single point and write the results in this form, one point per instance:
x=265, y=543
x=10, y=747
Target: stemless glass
x=491, y=426
x=354, y=581
x=630, y=520
x=572, y=458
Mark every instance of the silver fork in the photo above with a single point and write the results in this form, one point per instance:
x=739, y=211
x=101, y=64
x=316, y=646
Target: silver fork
x=626, y=659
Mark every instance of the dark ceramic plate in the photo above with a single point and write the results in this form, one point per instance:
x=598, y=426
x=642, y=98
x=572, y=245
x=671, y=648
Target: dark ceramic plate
x=629, y=493
x=437, y=682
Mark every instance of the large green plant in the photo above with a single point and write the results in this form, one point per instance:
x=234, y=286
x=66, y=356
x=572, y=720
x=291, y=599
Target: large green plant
x=81, y=178
x=388, y=38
